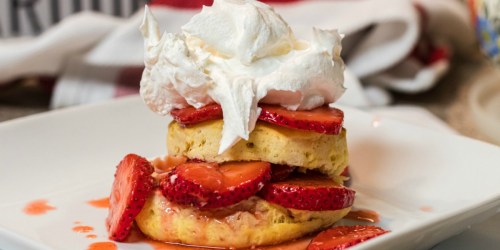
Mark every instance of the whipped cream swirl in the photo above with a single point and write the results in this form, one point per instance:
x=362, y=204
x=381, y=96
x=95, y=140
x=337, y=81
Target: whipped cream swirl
x=238, y=53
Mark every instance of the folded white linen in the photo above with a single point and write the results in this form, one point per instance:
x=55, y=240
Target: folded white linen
x=398, y=45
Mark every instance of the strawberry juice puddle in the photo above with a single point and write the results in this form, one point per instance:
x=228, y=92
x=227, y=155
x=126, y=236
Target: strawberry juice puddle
x=363, y=215
x=99, y=203
x=107, y=245
x=38, y=207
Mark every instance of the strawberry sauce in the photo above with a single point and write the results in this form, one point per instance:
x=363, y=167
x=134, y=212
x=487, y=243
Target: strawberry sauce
x=291, y=245
x=38, y=207
x=99, y=203
x=363, y=215
x=83, y=229
x=158, y=245
x=102, y=246
x=426, y=209
x=137, y=237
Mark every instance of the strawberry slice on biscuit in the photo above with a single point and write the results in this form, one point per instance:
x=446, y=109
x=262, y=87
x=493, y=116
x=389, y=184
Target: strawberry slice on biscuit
x=132, y=185
x=210, y=185
x=191, y=115
x=309, y=192
x=322, y=120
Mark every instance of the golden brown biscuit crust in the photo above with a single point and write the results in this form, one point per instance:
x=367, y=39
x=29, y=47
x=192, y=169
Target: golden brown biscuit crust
x=267, y=142
x=253, y=222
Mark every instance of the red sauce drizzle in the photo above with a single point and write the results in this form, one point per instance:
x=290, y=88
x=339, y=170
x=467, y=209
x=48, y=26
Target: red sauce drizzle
x=83, y=229
x=137, y=236
x=37, y=207
x=102, y=246
x=363, y=215
x=427, y=209
x=290, y=245
x=299, y=244
x=99, y=203
x=158, y=245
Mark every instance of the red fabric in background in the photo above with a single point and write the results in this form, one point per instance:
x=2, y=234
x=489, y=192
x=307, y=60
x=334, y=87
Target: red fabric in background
x=194, y=4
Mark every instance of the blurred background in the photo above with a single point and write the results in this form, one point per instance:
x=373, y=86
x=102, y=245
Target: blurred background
x=422, y=61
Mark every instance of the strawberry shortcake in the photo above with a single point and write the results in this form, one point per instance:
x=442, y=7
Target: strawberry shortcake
x=256, y=148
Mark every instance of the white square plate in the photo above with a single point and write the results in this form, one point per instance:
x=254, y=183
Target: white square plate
x=426, y=186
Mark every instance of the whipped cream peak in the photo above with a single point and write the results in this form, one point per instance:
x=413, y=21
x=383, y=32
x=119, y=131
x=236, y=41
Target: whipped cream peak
x=238, y=53
x=245, y=29
x=149, y=29
x=172, y=78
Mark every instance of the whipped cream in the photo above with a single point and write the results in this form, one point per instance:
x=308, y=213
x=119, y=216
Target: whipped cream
x=238, y=53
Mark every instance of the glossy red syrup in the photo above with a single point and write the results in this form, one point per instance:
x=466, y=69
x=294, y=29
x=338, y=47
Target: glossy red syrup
x=99, y=203
x=91, y=236
x=38, y=207
x=83, y=229
x=427, y=209
x=363, y=215
x=102, y=246
x=136, y=236
x=290, y=245
x=300, y=244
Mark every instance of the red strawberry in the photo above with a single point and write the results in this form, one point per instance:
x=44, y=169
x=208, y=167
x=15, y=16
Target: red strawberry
x=131, y=187
x=308, y=192
x=280, y=172
x=342, y=237
x=190, y=115
x=323, y=120
x=210, y=185
x=167, y=163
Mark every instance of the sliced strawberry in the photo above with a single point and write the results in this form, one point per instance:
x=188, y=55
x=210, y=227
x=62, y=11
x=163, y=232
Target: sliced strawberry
x=308, y=192
x=210, y=185
x=167, y=163
x=323, y=120
x=131, y=187
x=342, y=237
x=280, y=172
x=190, y=115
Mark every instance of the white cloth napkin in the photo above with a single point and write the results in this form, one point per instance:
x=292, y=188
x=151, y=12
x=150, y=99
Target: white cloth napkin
x=398, y=45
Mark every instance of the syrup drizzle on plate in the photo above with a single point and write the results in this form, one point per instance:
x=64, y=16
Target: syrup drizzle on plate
x=38, y=207
x=363, y=215
x=426, y=209
x=83, y=229
x=105, y=245
x=99, y=203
